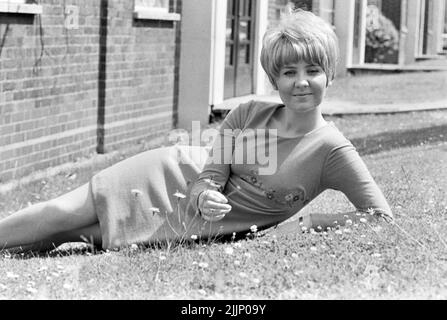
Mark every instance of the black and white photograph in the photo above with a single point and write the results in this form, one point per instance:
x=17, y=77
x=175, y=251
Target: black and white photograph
x=223, y=154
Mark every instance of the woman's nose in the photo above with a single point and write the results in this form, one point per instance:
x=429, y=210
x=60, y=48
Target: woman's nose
x=301, y=82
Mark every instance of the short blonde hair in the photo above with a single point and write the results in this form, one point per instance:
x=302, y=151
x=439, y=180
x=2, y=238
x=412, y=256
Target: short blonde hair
x=300, y=35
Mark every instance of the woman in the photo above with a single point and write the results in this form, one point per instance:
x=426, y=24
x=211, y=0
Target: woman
x=177, y=193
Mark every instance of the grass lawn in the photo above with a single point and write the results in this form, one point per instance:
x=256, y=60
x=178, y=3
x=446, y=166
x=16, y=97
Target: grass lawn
x=407, y=155
x=390, y=88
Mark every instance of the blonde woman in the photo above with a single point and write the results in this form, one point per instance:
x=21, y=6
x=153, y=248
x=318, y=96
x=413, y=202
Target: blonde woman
x=172, y=193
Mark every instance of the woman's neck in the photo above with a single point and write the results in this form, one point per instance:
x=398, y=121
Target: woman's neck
x=301, y=123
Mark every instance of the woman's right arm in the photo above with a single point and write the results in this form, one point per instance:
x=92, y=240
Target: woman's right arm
x=206, y=194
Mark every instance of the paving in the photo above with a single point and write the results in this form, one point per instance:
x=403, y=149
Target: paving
x=334, y=108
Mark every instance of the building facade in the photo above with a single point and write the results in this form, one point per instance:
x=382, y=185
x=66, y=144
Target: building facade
x=79, y=76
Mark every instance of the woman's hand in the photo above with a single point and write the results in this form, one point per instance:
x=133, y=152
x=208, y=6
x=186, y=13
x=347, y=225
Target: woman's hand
x=213, y=205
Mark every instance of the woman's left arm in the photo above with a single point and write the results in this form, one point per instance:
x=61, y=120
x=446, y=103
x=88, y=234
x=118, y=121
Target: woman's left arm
x=344, y=170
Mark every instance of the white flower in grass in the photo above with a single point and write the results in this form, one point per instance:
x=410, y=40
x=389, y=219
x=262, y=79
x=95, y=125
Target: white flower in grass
x=31, y=290
x=370, y=211
x=256, y=280
x=229, y=250
x=294, y=255
x=194, y=237
x=377, y=228
x=363, y=220
x=162, y=257
x=254, y=228
x=237, y=263
x=303, y=229
x=313, y=249
x=203, y=265
x=136, y=192
x=348, y=222
x=179, y=195
x=338, y=232
x=376, y=255
x=133, y=247
x=319, y=228
x=347, y=230
x=242, y=275
x=154, y=210
x=68, y=286
x=12, y=275
x=247, y=254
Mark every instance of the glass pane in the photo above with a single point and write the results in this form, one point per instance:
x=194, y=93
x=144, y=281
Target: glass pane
x=382, y=31
x=230, y=30
x=242, y=8
x=246, y=5
x=157, y=4
x=243, y=30
x=357, y=34
x=244, y=52
x=229, y=55
x=303, y=4
x=230, y=7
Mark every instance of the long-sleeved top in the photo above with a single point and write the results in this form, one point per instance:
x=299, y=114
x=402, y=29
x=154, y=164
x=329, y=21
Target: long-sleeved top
x=266, y=175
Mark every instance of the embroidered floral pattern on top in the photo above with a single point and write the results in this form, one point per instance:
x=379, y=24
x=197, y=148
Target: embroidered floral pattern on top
x=288, y=197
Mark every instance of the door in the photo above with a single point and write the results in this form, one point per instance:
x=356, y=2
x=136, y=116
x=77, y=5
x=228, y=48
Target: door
x=239, y=48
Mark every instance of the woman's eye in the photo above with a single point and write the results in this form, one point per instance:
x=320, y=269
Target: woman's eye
x=289, y=73
x=313, y=71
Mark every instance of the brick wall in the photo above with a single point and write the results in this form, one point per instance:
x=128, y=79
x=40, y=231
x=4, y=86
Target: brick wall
x=141, y=65
x=57, y=83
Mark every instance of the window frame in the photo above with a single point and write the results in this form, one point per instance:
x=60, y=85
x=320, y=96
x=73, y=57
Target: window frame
x=19, y=7
x=145, y=9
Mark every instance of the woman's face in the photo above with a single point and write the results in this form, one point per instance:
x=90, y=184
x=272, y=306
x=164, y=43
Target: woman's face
x=301, y=86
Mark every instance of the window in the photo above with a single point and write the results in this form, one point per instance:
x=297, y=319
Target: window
x=154, y=10
x=20, y=6
x=153, y=5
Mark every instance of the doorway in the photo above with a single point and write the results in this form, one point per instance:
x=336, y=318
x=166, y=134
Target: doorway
x=239, y=48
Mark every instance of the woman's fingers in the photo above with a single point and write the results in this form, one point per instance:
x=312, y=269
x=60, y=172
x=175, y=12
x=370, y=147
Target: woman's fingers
x=214, y=205
x=215, y=196
x=213, y=218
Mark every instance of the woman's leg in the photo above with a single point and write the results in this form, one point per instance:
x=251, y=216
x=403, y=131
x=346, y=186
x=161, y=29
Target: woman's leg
x=90, y=235
x=44, y=221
